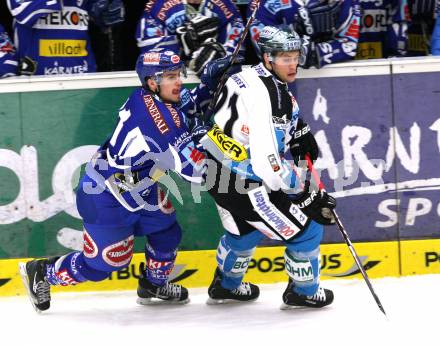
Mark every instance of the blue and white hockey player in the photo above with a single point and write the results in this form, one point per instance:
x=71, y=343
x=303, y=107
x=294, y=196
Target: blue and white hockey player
x=119, y=198
x=202, y=30
x=384, y=28
x=52, y=36
x=329, y=28
x=259, y=119
x=8, y=58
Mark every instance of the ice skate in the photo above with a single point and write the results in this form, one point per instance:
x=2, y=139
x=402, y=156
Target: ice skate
x=246, y=292
x=291, y=299
x=33, y=274
x=150, y=294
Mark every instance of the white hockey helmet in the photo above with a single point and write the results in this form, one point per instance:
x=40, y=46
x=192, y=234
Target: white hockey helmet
x=273, y=40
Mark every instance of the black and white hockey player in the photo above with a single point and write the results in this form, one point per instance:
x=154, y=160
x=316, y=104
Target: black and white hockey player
x=256, y=125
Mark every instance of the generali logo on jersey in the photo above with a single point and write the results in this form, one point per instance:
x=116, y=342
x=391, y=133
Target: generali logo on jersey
x=156, y=114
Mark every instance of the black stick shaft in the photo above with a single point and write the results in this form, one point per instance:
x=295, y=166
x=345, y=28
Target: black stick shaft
x=346, y=238
x=224, y=77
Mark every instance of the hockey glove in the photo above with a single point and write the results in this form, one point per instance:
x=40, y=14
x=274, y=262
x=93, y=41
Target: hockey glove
x=209, y=51
x=198, y=132
x=214, y=70
x=197, y=31
x=303, y=142
x=106, y=13
x=317, y=205
x=27, y=66
x=309, y=57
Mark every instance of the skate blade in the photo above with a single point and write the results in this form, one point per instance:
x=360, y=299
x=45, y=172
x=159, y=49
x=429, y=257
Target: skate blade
x=212, y=301
x=284, y=306
x=156, y=301
x=25, y=279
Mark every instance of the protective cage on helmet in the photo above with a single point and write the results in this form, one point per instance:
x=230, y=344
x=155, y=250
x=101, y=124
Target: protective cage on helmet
x=154, y=63
x=273, y=40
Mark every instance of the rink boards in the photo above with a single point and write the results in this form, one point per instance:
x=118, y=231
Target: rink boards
x=195, y=268
x=377, y=124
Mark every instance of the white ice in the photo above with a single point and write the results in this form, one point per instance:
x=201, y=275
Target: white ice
x=412, y=305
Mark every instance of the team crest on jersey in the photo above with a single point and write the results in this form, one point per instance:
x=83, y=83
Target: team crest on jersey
x=273, y=6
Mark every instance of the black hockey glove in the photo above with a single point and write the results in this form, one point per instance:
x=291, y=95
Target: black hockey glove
x=209, y=51
x=214, y=70
x=303, y=142
x=27, y=66
x=195, y=32
x=106, y=13
x=309, y=57
x=317, y=205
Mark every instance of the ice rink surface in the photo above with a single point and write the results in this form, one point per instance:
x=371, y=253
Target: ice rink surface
x=412, y=305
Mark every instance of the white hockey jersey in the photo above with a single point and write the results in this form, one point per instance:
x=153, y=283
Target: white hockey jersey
x=255, y=117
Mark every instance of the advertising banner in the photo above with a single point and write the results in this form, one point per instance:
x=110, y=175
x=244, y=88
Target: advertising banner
x=379, y=152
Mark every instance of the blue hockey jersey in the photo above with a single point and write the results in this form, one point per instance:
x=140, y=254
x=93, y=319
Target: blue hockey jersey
x=158, y=24
x=383, y=29
x=150, y=139
x=335, y=24
x=54, y=33
x=8, y=58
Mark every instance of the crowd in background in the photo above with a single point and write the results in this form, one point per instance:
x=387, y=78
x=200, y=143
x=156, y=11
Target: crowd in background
x=39, y=37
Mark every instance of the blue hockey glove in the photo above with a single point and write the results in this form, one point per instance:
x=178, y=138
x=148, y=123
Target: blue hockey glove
x=198, y=131
x=214, y=70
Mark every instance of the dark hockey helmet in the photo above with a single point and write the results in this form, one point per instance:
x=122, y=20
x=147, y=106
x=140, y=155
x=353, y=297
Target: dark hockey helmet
x=273, y=40
x=154, y=63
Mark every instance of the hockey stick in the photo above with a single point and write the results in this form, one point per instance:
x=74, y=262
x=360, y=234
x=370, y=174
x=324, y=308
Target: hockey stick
x=225, y=76
x=345, y=236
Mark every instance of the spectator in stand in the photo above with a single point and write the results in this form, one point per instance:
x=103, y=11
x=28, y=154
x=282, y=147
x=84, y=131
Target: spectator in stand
x=383, y=31
x=8, y=59
x=201, y=30
x=435, y=44
x=329, y=29
x=422, y=13
x=52, y=36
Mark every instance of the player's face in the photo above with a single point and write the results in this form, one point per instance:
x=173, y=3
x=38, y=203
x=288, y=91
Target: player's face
x=170, y=86
x=285, y=65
